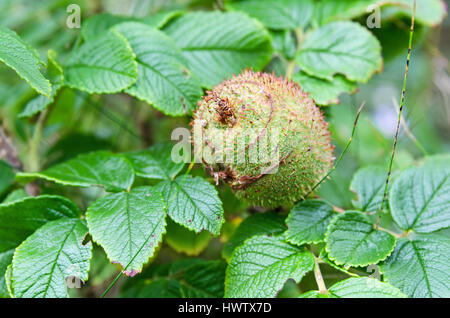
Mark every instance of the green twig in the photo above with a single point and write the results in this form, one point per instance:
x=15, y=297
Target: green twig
x=402, y=101
x=33, y=154
x=319, y=278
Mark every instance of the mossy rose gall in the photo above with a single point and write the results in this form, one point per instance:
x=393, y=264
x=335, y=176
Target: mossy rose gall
x=280, y=144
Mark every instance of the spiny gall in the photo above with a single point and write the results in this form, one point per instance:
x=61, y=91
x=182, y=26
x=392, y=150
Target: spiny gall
x=264, y=136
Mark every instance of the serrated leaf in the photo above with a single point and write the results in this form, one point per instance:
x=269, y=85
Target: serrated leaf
x=103, y=65
x=352, y=240
x=193, y=203
x=20, y=218
x=419, y=267
x=129, y=226
x=324, y=92
x=184, y=241
x=19, y=56
x=261, y=266
x=420, y=198
x=155, y=162
x=307, y=222
x=45, y=259
x=276, y=14
x=257, y=224
x=7, y=176
x=100, y=23
x=369, y=183
x=163, y=80
x=344, y=48
x=188, y=278
x=111, y=171
x=224, y=42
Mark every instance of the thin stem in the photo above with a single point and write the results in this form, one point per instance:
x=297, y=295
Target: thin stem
x=290, y=70
x=292, y=64
x=319, y=278
x=342, y=154
x=402, y=101
x=391, y=232
x=33, y=155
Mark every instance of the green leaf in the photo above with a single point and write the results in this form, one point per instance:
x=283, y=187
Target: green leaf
x=184, y=241
x=56, y=76
x=331, y=10
x=160, y=19
x=111, y=171
x=163, y=80
x=15, y=195
x=352, y=240
x=45, y=259
x=324, y=257
x=20, y=218
x=420, y=198
x=324, y=92
x=419, y=267
x=261, y=266
x=100, y=23
x=129, y=226
x=428, y=12
x=369, y=183
x=193, y=203
x=156, y=288
x=219, y=44
x=269, y=223
x=364, y=287
x=359, y=287
x=19, y=56
x=276, y=14
x=103, y=65
x=204, y=279
x=340, y=48
x=7, y=176
x=307, y=222
x=155, y=162
x=37, y=104
x=188, y=278
x=284, y=43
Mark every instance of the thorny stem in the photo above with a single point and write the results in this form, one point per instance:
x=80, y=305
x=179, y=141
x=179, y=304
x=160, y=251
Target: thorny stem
x=342, y=154
x=319, y=278
x=402, y=101
x=33, y=155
